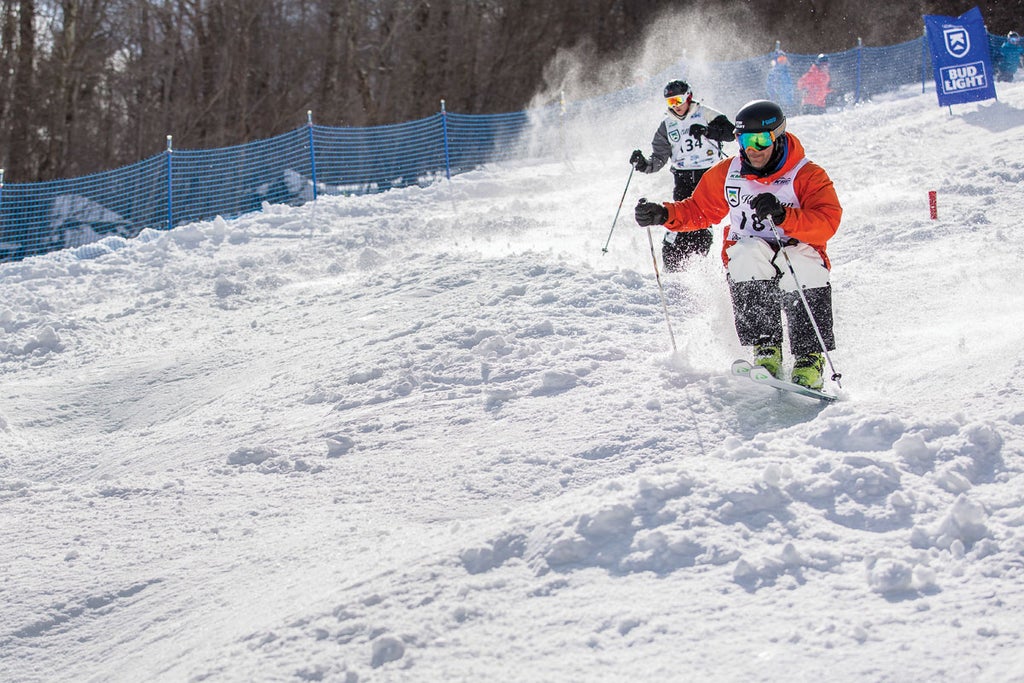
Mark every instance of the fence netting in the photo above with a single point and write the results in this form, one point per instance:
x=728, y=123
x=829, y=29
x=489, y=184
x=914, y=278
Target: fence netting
x=184, y=186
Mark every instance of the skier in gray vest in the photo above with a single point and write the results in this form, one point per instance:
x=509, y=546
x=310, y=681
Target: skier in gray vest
x=691, y=137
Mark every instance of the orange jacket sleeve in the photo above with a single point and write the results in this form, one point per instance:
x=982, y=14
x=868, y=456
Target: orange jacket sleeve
x=819, y=214
x=706, y=206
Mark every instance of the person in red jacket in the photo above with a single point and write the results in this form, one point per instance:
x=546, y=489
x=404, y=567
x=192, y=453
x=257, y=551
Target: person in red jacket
x=815, y=86
x=771, y=178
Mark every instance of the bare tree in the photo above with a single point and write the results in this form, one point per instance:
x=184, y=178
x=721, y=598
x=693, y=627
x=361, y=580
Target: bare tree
x=20, y=158
x=93, y=84
x=8, y=42
x=75, y=74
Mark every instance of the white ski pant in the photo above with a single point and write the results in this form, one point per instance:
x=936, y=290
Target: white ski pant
x=755, y=259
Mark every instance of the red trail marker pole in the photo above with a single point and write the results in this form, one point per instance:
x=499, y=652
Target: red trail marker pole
x=933, y=204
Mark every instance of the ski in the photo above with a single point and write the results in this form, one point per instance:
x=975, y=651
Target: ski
x=742, y=368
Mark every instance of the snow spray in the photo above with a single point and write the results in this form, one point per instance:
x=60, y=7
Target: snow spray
x=933, y=204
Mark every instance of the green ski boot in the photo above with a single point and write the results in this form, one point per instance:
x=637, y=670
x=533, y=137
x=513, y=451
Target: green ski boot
x=769, y=357
x=807, y=371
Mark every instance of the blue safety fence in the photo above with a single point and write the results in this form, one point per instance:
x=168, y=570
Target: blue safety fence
x=183, y=186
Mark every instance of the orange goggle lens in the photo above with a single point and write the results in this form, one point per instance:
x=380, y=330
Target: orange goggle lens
x=677, y=100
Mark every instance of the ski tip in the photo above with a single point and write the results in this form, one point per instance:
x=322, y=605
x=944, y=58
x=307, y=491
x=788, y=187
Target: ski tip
x=741, y=367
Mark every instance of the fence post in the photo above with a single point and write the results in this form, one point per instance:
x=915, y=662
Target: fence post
x=444, y=129
x=860, y=60
x=924, y=56
x=312, y=151
x=170, y=210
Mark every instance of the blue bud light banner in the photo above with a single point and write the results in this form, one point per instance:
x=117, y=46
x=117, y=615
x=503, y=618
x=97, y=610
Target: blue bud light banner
x=960, y=58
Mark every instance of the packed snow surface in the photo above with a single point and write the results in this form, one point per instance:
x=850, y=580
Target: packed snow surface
x=438, y=434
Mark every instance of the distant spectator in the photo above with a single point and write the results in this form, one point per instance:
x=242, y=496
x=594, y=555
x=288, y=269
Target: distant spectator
x=814, y=85
x=1008, y=58
x=779, y=83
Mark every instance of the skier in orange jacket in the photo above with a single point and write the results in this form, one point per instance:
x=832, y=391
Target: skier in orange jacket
x=771, y=177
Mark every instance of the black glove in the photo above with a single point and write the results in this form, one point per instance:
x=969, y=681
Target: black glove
x=721, y=129
x=639, y=161
x=698, y=131
x=650, y=214
x=767, y=204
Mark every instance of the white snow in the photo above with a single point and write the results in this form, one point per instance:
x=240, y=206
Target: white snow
x=436, y=434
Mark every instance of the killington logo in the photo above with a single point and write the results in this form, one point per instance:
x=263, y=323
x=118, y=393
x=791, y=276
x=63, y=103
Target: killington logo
x=673, y=135
x=958, y=41
x=733, y=195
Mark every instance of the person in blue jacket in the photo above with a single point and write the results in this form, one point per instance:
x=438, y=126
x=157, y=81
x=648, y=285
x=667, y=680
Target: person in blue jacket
x=779, y=83
x=1008, y=58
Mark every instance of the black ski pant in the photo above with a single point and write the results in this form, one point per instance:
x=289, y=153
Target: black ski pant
x=757, y=310
x=677, y=247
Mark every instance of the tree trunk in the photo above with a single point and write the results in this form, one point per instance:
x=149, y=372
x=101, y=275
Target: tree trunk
x=21, y=165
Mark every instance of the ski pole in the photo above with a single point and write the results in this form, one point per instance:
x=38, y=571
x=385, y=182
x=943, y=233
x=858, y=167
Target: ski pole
x=836, y=376
x=657, y=276
x=615, y=220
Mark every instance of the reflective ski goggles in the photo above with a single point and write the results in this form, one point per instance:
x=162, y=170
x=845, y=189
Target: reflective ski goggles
x=677, y=100
x=759, y=141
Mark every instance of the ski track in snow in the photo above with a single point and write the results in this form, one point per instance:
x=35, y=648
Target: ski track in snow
x=437, y=434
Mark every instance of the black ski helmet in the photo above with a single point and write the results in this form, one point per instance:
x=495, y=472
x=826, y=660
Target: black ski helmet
x=761, y=115
x=677, y=87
